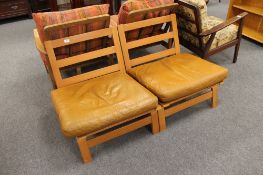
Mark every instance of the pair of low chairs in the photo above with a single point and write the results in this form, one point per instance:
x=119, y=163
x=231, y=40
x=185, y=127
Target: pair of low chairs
x=205, y=35
x=98, y=105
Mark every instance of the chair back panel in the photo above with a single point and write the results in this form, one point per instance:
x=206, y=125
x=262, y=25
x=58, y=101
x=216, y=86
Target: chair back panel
x=76, y=27
x=128, y=45
x=190, y=17
x=57, y=64
x=142, y=14
x=187, y=9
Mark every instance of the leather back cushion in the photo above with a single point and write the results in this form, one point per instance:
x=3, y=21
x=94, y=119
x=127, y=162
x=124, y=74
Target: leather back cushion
x=48, y=18
x=132, y=5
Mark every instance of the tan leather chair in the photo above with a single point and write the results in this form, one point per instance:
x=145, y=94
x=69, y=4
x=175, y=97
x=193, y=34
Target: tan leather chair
x=206, y=35
x=101, y=104
x=179, y=80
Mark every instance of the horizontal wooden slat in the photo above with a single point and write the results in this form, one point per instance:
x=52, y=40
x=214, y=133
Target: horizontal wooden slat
x=72, y=23
x=120, y=131
x=89, y=75
x=167, y=7
x=151, y=57
x=149, y=40
x=85, y=57
x=188, y=103
x=80, y=38
x=150, y=22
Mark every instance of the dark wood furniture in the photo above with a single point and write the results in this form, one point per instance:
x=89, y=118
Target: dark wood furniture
x=70, y=4
x=204, y=49
x=39, y=5
x=13, y=8
x=253, y=24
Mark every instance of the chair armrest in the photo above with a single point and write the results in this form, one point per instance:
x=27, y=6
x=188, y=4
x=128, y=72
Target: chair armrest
x=224, y=24
x=39, y=44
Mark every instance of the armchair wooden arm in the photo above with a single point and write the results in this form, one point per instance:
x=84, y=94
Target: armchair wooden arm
x=221, y=26
x=224, y=24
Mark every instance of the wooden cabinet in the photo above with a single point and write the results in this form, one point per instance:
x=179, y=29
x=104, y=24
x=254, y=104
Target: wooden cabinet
x=13, y=8
x=39, y=5
x=253, y=24
x=59, y=5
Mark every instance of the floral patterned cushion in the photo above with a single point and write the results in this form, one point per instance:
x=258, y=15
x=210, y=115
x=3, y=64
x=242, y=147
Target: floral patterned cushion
x=189, y=12
x=223, y=36
x=48, y=18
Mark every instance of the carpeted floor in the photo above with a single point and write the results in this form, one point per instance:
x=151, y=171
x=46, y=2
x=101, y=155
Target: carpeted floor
x=198, y=141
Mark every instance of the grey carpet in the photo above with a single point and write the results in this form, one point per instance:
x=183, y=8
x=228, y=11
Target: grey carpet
x=198, y=141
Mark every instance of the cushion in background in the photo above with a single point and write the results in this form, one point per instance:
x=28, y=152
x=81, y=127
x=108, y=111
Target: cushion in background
x=49, y=18
x=133, y=5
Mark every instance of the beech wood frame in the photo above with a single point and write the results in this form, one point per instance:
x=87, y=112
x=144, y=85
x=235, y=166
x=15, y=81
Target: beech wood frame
x=144, y=13
x=204, y=50
x=164, y=109
x=51, y=28
x=90, y=140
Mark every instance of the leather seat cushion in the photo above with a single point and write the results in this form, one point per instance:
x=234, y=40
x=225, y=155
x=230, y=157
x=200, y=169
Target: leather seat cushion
x=178, y=76
x=100, y=102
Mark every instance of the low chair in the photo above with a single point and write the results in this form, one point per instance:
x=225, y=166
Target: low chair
x=206, y=35
x=179, y=80
x=55, y=25
x=98, y=105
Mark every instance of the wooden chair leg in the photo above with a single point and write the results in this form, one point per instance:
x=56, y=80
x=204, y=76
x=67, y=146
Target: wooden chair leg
x=236, y=52
x=84, y=149
x=155, y=122
x=161, y=117
x=214, y=99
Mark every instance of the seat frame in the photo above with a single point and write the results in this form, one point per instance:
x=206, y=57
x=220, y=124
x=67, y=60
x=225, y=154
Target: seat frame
x=204, y=50
x=90, y=140
x=169, y=108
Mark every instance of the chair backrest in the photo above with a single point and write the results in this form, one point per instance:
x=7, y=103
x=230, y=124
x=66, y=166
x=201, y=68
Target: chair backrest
x=58, y=64
x=192, y=9
x=191, y=13
x=190, y=17
x=128, y=45
x=77, y=27
x=46, y=19
x=147, y=13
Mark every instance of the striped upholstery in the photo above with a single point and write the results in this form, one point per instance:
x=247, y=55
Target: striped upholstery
x=48, y=18
x=132, y=5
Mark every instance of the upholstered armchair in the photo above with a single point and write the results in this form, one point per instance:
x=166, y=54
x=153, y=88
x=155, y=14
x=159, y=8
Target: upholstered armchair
x=206, y=35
